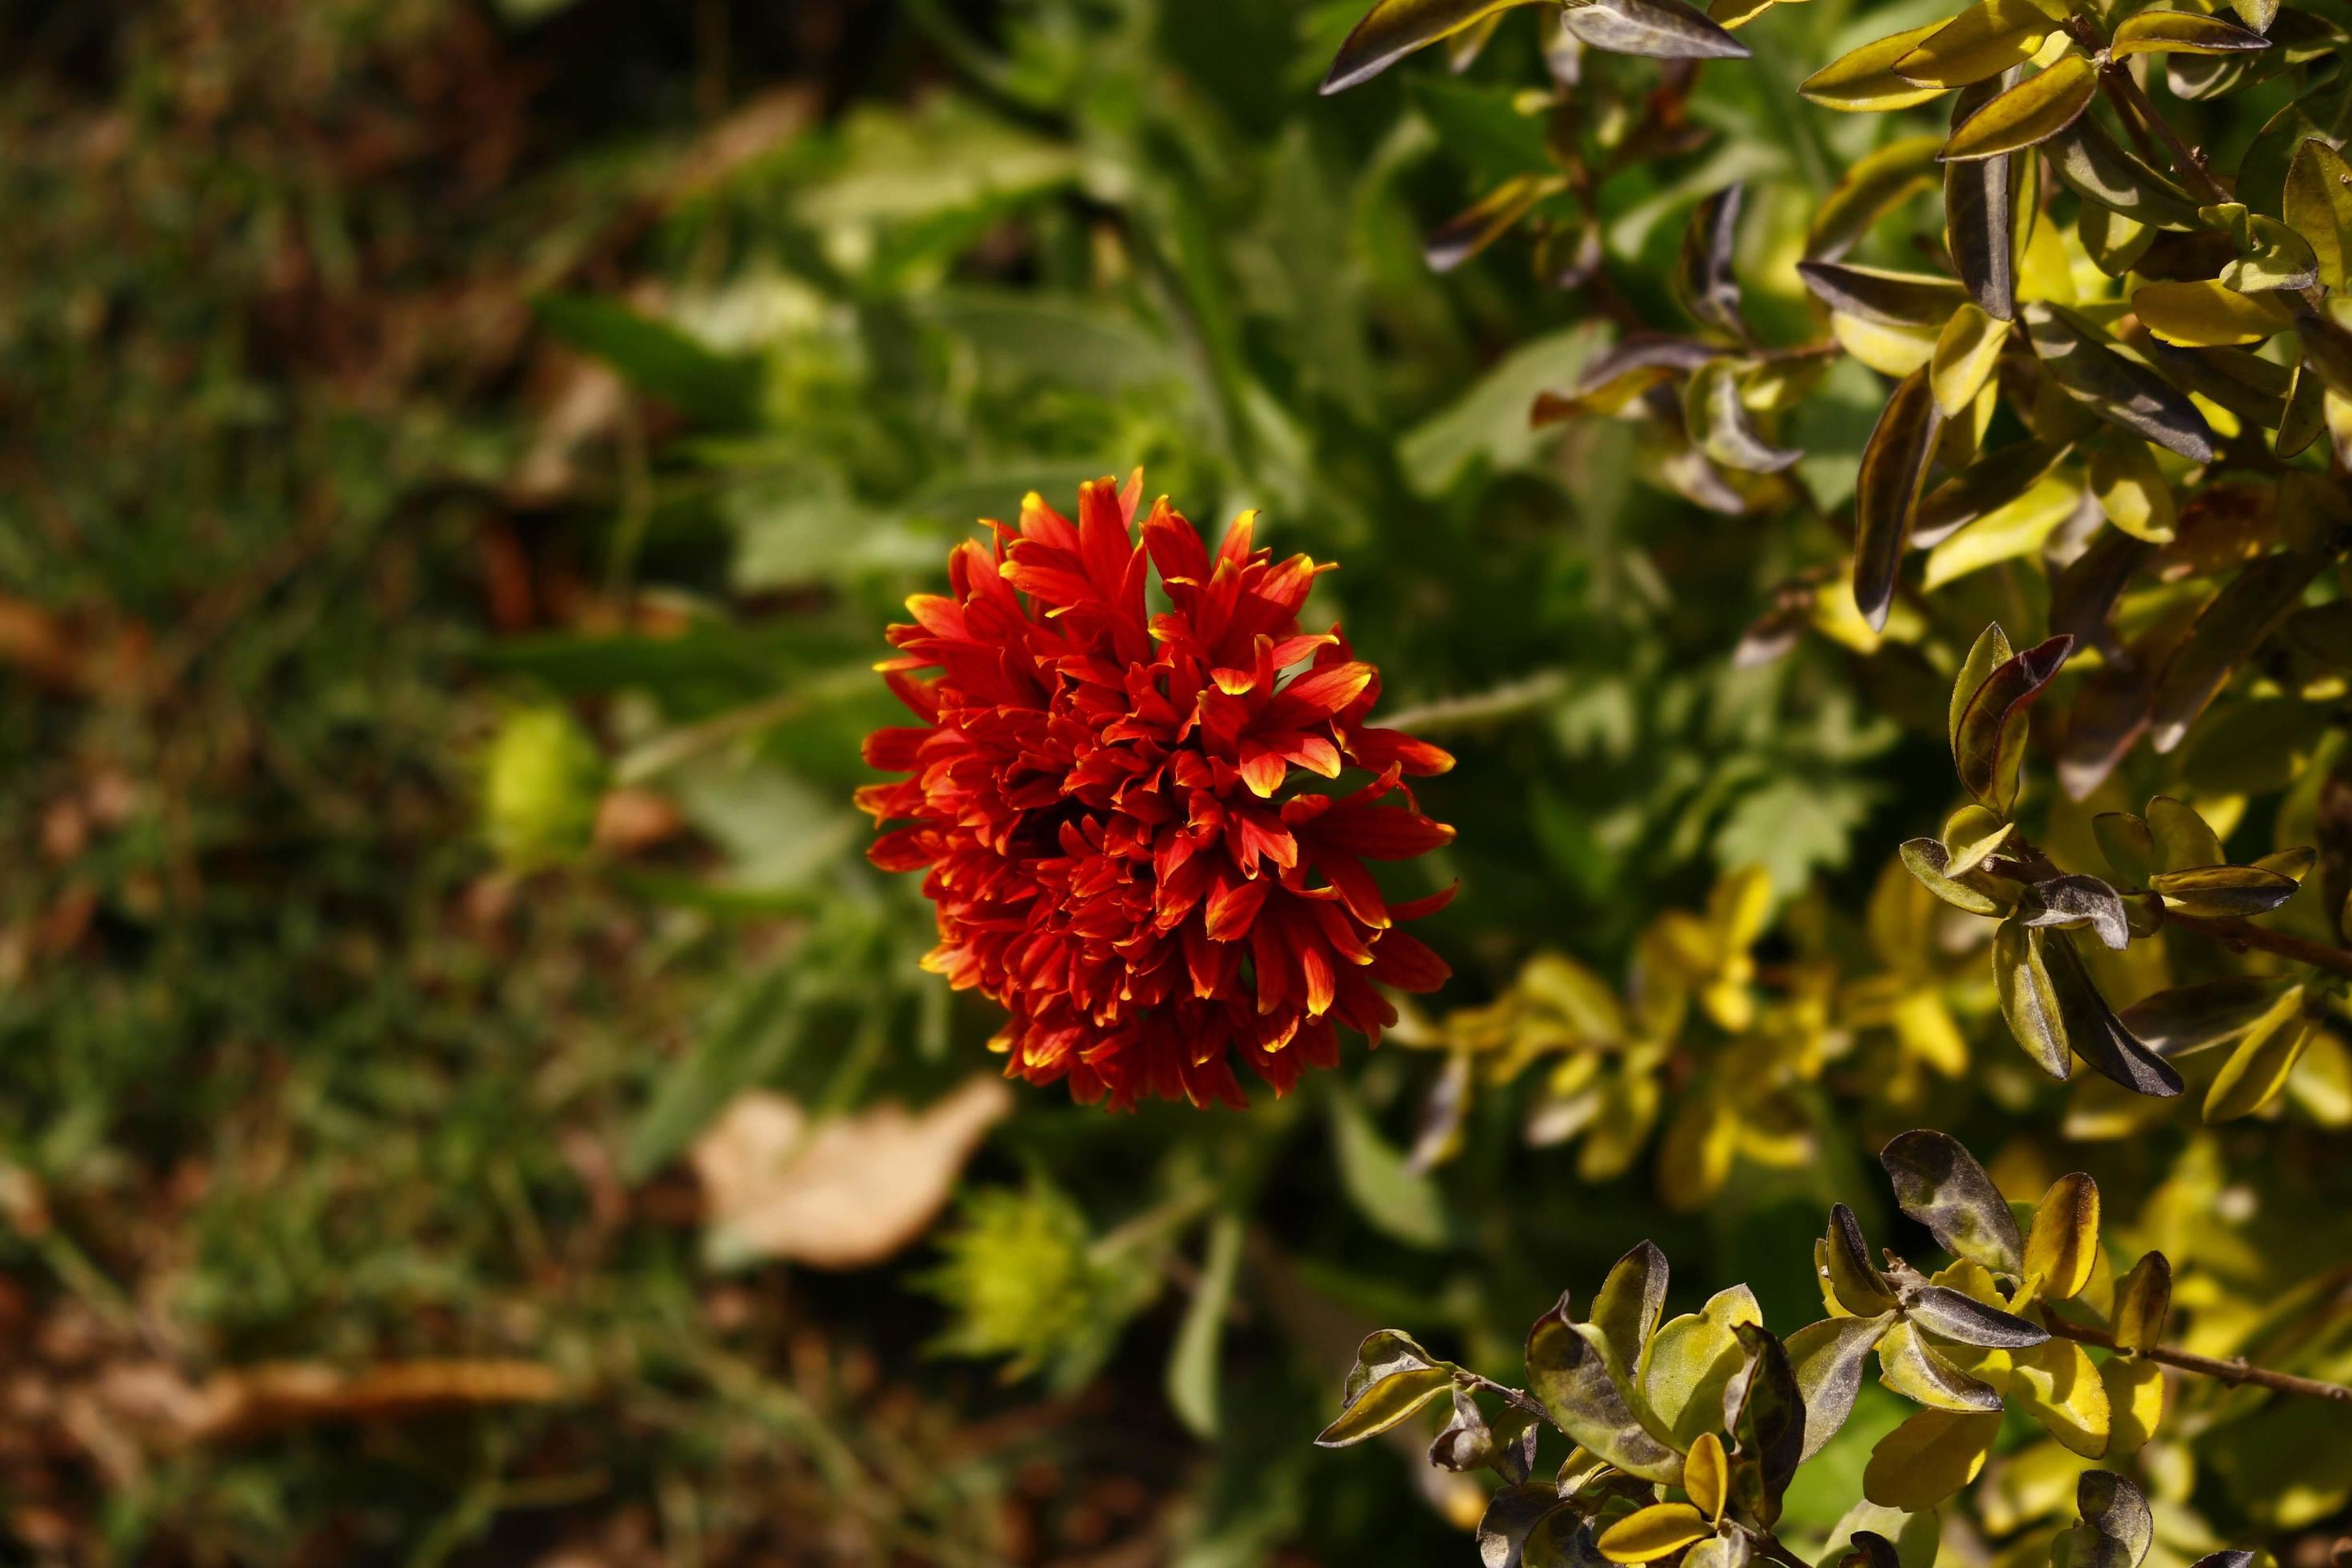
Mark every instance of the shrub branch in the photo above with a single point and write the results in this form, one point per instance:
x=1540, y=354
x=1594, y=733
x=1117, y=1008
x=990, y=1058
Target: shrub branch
x=2235, y=1370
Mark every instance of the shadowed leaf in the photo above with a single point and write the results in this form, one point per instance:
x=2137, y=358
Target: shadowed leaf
x=2225, y=634
x=2143, y=1301
x=2116, y=388
x=1915, y=1368
x=1894, y=465
x=1567, y=1373
x=1939, y=1183
x=1989, y=736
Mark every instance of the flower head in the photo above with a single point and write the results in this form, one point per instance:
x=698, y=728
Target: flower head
x=1110, y=805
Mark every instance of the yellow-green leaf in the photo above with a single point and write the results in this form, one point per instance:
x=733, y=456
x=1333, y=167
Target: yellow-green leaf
x=1394, y=28
x=2058, y=1384
x=2143, y=1301
x=1965, y=352
x=1658, y=1530
x=2063, y=1244
x=2182, y=839
x=2006, y=533
x=2209, y=314
x=1707, y=1476
x=1877, y=182
x=1384, y=1403
x=1929, y=1457
x=2132, y=491
x=1888, y=349
x=2182, y=33
x=1865, y=80
x=1684, y=1371
x=2318, y=207
x=2134, y=1390
x=2028, y=114
x=1920, y=1372
x=1982, y=41
x=2258, y=1066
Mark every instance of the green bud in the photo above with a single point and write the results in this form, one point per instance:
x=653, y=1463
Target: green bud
x=540, y=789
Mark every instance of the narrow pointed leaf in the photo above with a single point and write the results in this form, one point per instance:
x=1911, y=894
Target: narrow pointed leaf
x=1394, y=28
x=2223, y=893
x=1657, y=29
x=1877, y=294
x=1860, y=1287
x=1719, y=422
x=2184, y=33
x=2114, y=387
x=1942, y=1310
x=2189, y=1018
x=1991, y=482
x=1765, y=1413
x=1989, y=732
x=2029, y=1003
x=2093, y=1031
x=2225, y=636
x=1879, y=182
x=1893, y=467
x=2028, y=114
x=2092, y=164
x=1981, y=213
x=1984, y=40
x=2257, y=1070
x=1383, y=1403
x=1658, y=1530
x=1494, y=215
x=1703, y=276
x=1966, y=352
x=1864, y=80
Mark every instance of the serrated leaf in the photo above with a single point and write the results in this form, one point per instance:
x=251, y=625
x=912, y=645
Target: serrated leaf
x=2258, y=1068
x=2184, y=33
x=1864, y=80
x=1383, y=1403
x=2058, y=1385
x=2209, y=314
x=2088, y=162
x=1395, y=28
x=1929, y=1457
x=2118, y=389
x=1656, y=29
x=1893, y=467
x=1984, y=40
x=2028, y=114
x=1990, y=732
x=1915, y=1368
x=1939, y=1183
x=1877, y=182
x=1828, y=1359
x=2143, y=1301
x=1566, y=1371
x=1966, y=352
x=2317, y=204
x=2225, y=634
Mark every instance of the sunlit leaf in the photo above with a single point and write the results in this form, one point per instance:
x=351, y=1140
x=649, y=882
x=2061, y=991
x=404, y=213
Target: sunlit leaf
x=1659, y=29
x=1860, y=1287
x=1567, y=1373
x=1765, y=1413
x=2058, y=1384
x=2182, y=32
x=1965, y=352
x=2029, y=1003
x=1494, y=215
x=1915, y=1368
x=1383, y=1403
x=1929, y=1457
x=1625, y=1313
x=1394, y=28
x=1989, y=733
x=1956, y=1316
x=1939, y=1183
x=1865, y=81
x=2318, y=207
x=2208, y=314
x=2028, y=114
x=1829, y=1358
x=2258, y=1067
x=1718, y=420
x=2133, y=491
x=1877, y=294
x=2088, y=162
x=2143, y=1301
x=1984, y=40
x=1658, y=1530
x=2136, y=1394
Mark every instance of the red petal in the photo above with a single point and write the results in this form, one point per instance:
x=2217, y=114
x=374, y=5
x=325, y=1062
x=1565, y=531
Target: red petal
x=1404, y=961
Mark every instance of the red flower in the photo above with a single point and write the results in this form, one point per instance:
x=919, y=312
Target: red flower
x=1097, y=800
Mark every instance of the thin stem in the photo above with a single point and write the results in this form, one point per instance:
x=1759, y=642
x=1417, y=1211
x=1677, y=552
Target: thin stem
x=2233, y=1371
x=2126, y=92
x=2243, y=934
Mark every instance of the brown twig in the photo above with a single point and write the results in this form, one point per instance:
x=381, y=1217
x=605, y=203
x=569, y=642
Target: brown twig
x=2233, y=1371
x=2126, y=92
x=2241, y=935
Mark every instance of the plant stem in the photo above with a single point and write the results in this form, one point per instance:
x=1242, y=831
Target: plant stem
x=2244, y=934
x=2233, y=1371
x=2127, y=93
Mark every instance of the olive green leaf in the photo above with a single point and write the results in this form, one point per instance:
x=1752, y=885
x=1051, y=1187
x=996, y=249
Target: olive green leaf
x=1625, y=1313
x=1718, y=421
x=1684, y=1371
x=1471, y=231
x=2117, y=1528
x=1981, y=213
x=1860, y=1287
x=1765, y=1413
x=2208, y=313
x=2318, y=207
x=2225, y=634
x=1956, y=1316
x=1972, y=833
x=2094, y=1031
x=1384, y=1401
x=1865, y=81
x=1989, y=740
x=1828, y=1359
x=2029, y=1003
x=1566, y=1372
x=2189, y=1018
x=1394, y=28
x=2143, y=1301
x=1528, y=1526
x=2090, y=162
x=1986, y=654
x=1877, y=294
x=2182, y=32
x=1730, y=1549
x=1703, y=279
x=2028, y=114
x=1658, y=1530
x=1929, y=1457
x=2121, y=390
x=1657, y=29
x=2305, y=415
x=2270, y=254
x=2249, y=387
x=2257, y=1070
x=2063, y=1243
x=2181, y=837
x=2021, y=528
x=1913, y=1368
x=2076, y=900
x=2327, y=349
x=1619, y=374
x=1926, y=859
x=1965, y=354
x=2128, y=844
x=1986, y=485
x=2220, y=893
x=1894, y=465
x=2058, y=1384
x=2133, y=492
x=1939, y=1183
x=1868, y=1549
x=1877, y=182
x=1984, y=40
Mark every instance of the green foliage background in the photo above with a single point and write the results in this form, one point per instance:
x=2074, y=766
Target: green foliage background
x=384, y=383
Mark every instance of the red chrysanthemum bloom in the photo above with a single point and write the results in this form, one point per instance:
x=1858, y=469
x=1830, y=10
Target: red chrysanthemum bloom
x=1099, y=798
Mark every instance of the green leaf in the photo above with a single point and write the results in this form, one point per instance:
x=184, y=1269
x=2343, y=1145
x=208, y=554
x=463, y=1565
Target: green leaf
x=2225, y=636
x=720, y=391
x=1684, y=1371
x=2318, y=207
x=1702, y=277
x=1939, y=1183
x=2182, y=838
x=2223, y=893
x=1721, y=423
x=2029, y=1003
x=1482, y=126
x=2258, y=1068
x=1986, y=39
x=1894, y=465
x=2143, y=1301
x=2206, y=313
x=1566, y=1371
x=1965, y=354
x=1877, y=183
x=1991, y=482
x=2018, y=529
x=2189, y=1018
x=1489, y=218
x=1383, y=1403
x=1927, y=859
x=1383, y=1188
x=1877, y=294
x=1919, y=1373
x=1395, y=28
x=1625, y=1313
x=1864, y=80
x=2028, y=114
x=1828, y=1359
x=1656, y=29
x=2058, y=1384
x=2120, y=390
x=1989, y=737
x=2181, y=32
x=2088, y=162
x=1192, y=1367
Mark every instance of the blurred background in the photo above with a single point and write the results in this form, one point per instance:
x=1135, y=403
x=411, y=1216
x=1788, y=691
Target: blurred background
x=464, y=1094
